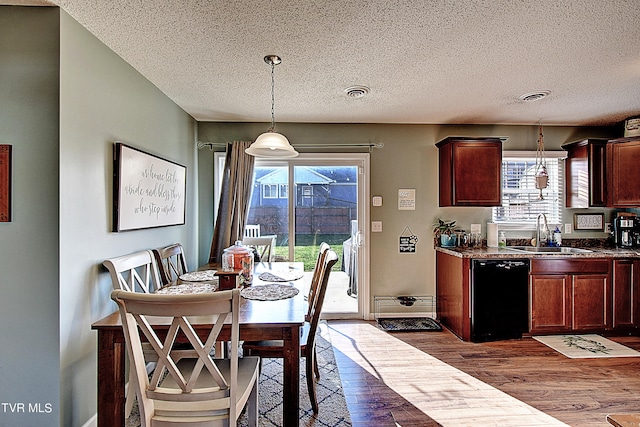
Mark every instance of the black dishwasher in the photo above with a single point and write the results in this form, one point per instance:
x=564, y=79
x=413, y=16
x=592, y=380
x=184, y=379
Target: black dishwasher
x=499, y=299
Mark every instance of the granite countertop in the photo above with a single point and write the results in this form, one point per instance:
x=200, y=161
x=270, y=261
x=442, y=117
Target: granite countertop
x=506, y=253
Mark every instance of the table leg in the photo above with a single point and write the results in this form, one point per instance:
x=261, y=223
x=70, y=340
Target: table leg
x=291, y=392
x=111, y=396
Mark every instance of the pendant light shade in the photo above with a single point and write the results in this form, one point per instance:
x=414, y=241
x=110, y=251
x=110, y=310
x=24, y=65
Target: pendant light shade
x=272, y=143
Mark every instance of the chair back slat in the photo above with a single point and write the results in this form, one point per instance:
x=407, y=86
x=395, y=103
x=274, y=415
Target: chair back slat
x=171, y=262
x=136, y=272
x=316, y=308
x=317, y=270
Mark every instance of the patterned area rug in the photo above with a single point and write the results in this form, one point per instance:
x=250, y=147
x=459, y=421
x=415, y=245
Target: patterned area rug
x=333, y=407
x=586, y=346
x=409, y=324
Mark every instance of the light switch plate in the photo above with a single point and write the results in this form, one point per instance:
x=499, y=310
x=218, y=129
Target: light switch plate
x=376, y=226
x=567, y=229
x=377, y=201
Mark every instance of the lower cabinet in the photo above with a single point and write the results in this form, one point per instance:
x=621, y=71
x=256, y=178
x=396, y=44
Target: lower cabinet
x=570, y=295
x=626, y=284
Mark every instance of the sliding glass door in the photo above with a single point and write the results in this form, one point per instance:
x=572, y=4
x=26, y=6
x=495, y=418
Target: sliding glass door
x=313, y=199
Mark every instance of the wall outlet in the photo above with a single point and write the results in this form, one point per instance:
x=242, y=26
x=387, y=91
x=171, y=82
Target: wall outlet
x=476, y=228
x=376, y=226
x=607, y=227
x=567, y=228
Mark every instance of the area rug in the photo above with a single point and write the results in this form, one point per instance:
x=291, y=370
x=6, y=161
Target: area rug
x=409, y=324
x=333, y=407
x=586, y=346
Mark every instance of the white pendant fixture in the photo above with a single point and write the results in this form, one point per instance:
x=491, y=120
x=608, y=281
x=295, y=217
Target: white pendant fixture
x=272, y=143
x=541, y=176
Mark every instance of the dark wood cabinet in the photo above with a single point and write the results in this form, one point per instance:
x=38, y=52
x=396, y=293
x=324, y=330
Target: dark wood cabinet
x=570, y=294
x=626, y=284
x=623, y=172
x=470, y=171
x=550, y=303
x=585, y=172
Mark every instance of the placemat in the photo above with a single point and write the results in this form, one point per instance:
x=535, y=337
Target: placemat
x=269, y=292
x=199, y=276
x=188, y=288
x=281, y=275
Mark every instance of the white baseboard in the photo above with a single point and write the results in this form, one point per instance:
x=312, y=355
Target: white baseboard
x=93, y=421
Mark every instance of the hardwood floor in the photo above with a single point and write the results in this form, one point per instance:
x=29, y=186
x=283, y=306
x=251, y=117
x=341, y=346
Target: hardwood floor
x=428, y=379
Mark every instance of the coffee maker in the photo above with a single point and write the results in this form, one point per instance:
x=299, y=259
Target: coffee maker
x=627, y=231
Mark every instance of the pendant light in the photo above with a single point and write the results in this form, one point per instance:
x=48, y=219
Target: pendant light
x=272, y=143
x=542, y=177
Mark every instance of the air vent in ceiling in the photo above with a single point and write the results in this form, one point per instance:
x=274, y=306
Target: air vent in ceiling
x=356, y=91
x=534, y=96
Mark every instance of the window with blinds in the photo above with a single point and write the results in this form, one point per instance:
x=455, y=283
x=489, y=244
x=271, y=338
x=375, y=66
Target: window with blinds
x=520, y=198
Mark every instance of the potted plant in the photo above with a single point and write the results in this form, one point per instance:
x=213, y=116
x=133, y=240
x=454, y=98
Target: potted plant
x=445, y=233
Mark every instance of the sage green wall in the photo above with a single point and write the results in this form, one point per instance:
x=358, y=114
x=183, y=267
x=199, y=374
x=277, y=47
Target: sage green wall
x=407, y=160
x=103, y=99
x=29, y=357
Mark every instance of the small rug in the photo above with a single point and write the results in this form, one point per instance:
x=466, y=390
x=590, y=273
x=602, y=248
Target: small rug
x=586, y=346
x=281, y=275
x=269, y=292
x=409, y=324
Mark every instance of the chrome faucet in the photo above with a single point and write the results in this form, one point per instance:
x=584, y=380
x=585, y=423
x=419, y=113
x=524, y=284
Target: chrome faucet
x=539, y=231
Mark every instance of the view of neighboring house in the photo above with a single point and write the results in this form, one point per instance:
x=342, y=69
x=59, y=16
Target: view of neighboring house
x=325, y=199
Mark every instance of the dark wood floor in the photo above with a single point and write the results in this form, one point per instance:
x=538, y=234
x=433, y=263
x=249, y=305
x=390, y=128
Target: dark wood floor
x=578, y=392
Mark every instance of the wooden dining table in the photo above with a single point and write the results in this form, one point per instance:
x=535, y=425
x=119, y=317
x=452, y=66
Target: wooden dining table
x=259, y=320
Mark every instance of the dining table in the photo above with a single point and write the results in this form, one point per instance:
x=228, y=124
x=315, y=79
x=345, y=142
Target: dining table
x=280, y=319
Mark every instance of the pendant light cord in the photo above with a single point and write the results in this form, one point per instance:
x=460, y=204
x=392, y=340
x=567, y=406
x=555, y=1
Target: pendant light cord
x=273, y=99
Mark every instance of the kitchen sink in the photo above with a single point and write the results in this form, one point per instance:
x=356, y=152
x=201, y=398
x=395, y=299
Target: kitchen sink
x=549, y=249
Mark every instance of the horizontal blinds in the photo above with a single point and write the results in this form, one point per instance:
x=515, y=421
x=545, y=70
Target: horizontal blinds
x=520, y=198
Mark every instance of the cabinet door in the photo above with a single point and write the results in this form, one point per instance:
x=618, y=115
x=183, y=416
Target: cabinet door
x=623, y=159
x=625, y=290
x=590, y=302
x=585, y=169
x=470, y=171
x=476, y=173
x=550, y=303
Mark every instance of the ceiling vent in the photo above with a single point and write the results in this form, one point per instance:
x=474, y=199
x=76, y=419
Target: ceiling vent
x=534, y=96
x=356, y=91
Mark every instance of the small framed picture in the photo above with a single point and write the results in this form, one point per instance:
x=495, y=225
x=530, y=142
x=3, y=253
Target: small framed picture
x=593, y=222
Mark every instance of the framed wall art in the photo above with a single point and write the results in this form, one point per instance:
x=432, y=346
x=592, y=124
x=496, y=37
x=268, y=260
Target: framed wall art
x=148, y=191
x=5, y=183
x=593, y=222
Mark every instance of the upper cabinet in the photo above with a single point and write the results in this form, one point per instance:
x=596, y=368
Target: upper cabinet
x=469, y=171
x=585, y=173
x=623, y=172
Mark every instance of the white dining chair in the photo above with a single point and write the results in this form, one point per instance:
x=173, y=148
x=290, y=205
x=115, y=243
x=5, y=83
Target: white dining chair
x=135, y=272
x=189, y=388
x=265, y=245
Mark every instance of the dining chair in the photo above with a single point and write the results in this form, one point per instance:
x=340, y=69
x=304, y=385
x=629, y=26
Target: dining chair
x=136, y=272
x=275, y=348
x=265, y=245
x=188, y=387
x=171, y=262
x=252, y=230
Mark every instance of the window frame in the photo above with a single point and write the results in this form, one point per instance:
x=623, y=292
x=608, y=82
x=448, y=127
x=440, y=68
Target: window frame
x=531, y=156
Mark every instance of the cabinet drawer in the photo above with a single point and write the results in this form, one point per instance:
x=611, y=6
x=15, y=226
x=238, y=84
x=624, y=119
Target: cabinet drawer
x=570, y=266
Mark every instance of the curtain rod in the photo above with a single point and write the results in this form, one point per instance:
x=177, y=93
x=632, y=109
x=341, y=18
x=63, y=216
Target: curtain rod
x=370, y=145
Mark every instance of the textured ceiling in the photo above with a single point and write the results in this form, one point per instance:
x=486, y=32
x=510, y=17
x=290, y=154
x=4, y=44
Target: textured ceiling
x=444, y=62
